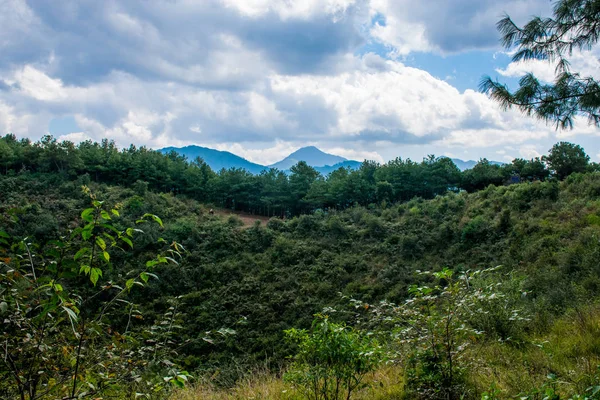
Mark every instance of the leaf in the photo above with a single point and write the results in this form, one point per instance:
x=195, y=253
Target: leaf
x=71, y=313
x=129, y=284
x=58, y=287
x=104, y=215
x=101, y=243
x=94, y=275
x=85, y=269
x=129, y=232
x=115, y=212
x=86, y=215
x=106, y=256
x=3, y=307
x=4, y=234
x=152, y=275
x=86, y=232
x=128, y=241
x=144, y=277
x=155, y=218
x=80, y=253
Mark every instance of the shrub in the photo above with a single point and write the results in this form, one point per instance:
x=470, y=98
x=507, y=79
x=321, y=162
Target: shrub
x=332, y=360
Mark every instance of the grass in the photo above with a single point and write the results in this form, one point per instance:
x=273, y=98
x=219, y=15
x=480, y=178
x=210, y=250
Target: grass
x=570, y=351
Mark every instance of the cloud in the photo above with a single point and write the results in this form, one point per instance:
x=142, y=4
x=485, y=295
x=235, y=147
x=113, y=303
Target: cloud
x=446, y=26
x=358, y=155
x=258, y=78
x=586, y=63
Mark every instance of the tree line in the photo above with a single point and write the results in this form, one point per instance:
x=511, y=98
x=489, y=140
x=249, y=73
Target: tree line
x=275, y=192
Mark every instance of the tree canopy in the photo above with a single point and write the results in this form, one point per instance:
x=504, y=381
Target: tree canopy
x=575, y=25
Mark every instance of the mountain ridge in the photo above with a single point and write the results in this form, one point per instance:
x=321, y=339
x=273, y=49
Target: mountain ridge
x=323, y=162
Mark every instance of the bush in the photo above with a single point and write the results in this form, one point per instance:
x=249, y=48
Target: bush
x=332, y=360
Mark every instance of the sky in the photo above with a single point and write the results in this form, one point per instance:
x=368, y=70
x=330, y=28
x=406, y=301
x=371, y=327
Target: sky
x=363, y=79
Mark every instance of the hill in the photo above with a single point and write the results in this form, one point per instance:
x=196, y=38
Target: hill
x=216, y=159
x=323, y=162
x=465, y=165
x=311, y=155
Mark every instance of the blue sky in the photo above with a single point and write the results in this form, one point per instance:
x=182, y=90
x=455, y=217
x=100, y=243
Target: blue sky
x=372, y=79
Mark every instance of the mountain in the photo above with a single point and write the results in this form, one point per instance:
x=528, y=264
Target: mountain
x=464, y=165
x=311, y=155
x=216, y=159
x=345, y=164
x=323, y=162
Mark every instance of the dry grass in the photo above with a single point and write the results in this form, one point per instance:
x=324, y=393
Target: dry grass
x=248, y=219
x=571, y=351
x=386, y=383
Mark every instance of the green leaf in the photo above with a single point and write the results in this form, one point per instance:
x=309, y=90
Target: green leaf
x=104, y=215
x=115, y=212
x=155, y=218
x=144, y=277
x=152, y=275
x=106, y=256
x=129, y=284
x=128, y=241
x=58, y=287
x=129, y=232
x=80, y=253
x=86, y=214
x=85, y=269
x=71, y=313
x=3, y=307
x=4, y=234
x=151, y=263
x=112, y=228
x=86, y=232
x=101, y=243
x=94, y=275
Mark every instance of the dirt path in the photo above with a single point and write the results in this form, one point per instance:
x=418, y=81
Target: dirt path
x=247, y=219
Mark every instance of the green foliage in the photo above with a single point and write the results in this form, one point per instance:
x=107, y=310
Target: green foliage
x=332, y=360
x=433, y=331
x=65, y=339
x=566, y=158
x=574, y=26
x=272, y=192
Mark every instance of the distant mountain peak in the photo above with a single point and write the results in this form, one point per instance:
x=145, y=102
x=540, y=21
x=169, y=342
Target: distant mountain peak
x=312, y=155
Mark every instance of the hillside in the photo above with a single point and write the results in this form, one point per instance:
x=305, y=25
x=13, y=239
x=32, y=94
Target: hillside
x=132, y=269
x=311, y=155
x=323, y=162
x=216, y=159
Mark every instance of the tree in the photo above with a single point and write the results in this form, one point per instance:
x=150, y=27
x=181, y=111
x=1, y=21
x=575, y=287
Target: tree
x=483, y=174
x=575, y=26
x=301, y=178
x=565, y=158
x=63, y=339
x=332, y=360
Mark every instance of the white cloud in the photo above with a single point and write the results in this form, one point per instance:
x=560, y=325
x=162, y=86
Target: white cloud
x=258, y=78
x=353, y=154
x=75, y=137
x=586, y=63
x=529, y=151
x=38, y=85
x=446, y=26
x=286, y=9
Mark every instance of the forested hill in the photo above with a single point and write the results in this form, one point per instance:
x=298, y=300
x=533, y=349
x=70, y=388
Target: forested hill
x=273, y=192
x=144, y=286
x=323, y=162
x=216, y=159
